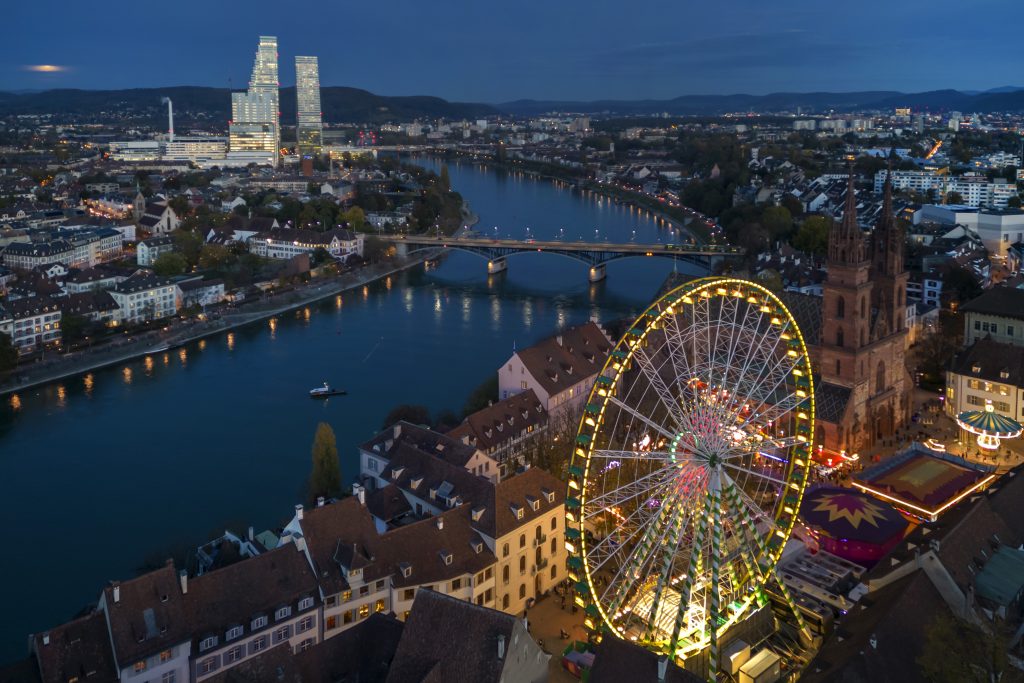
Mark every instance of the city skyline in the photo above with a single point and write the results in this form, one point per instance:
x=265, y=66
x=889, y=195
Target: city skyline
x=549, y=53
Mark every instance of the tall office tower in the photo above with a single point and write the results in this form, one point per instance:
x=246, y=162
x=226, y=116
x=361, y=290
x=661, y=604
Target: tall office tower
x=255, y=131
x=310, y=128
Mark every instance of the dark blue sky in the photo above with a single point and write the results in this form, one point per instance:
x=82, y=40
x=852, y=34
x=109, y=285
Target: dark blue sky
x=487, y=51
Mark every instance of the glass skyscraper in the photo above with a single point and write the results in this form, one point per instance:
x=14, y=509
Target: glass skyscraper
x=310, y=127
x=255, y=131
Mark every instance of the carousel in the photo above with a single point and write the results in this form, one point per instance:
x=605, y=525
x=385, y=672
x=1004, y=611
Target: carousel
x=989, y=426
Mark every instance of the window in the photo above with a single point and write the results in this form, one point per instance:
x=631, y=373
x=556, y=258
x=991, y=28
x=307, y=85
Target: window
x=841, y=307
x=259, y=644
x=169, y=677
x=207, y=643
x=259, y=622
x=522, y=565
x=554, y=571
x=554, y=523
x=364, y=591
x=522, y=591
x=522, y=385
x=977, y=325
x=839, y=366
x=504, y=550
x=522, y=540
x=306, y=644
x=332, y=623
x=504, y=602
x=364, y=611
x=839, y=337
x=1009, y=330
x=304, y=625
x=346, y=596
x=379, y=586
x=554, y=545
x=140, y=665
x=233, y=655
x=166, y=655
x=331, y=601
x=305, y=603
x=283, y=633
x=504, y=574
x=378, y=606
x=206, y=666
x=282, y=613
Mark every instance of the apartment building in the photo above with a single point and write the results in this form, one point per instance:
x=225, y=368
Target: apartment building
x=505, y=430
x=33, y=323
x=147, y=252
x=987, y=371
x=284, y=243
x=145, y=296
x=998, y=313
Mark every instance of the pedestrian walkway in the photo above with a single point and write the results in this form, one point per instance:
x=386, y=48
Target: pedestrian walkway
x=548, y=619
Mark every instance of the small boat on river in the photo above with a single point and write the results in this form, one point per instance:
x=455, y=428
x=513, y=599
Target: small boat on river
x=325, y=391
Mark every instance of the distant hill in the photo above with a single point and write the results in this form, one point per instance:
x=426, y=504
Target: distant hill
x=339, y=104
x=1007, y=98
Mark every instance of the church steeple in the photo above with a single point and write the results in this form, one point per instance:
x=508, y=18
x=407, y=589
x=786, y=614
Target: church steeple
x=845, y=239
x=888, y=238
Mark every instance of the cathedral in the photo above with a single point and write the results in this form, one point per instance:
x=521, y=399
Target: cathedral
x=856, y=333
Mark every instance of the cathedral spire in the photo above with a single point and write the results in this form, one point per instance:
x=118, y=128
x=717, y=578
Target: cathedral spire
x=887, y=249
x=845, y=239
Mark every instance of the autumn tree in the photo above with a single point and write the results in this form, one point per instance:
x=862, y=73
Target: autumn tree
x=812, y=235
x=169, y=263
x=326, y=477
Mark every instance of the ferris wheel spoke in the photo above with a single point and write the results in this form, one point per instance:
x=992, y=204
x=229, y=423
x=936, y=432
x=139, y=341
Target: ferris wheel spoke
x=749, y=507
x=760, y=475
x=768, y=444
x=648, y=456
x=656, y=382
x=643, y=418
x=646, y=484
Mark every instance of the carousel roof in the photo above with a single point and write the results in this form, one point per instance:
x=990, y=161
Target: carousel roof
x=989, y=422
x=849, y=514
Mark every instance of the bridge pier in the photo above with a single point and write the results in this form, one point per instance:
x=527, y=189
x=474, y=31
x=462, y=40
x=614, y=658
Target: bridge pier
x=598, y=272
x=401, y=248
x=498, y=265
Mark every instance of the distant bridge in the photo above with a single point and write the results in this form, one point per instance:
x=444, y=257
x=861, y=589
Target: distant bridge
x=594, y=254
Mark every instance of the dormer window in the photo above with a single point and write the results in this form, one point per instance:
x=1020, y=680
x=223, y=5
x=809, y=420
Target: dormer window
x=233, y=632
x=415, y=482
x=477, y=546
x=305, y=603
x=259, y=622
x=1004, y=374
x=406, y=570
x=446, y=557
x=477, y=513
x=396, y=472
x=517, y=510
x=549, y=495
x=433, y=494
x=975, y=368
x=534, y=503
x=207, y=643
x=282, y=613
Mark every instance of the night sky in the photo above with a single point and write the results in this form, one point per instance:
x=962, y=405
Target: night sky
x=495, y=52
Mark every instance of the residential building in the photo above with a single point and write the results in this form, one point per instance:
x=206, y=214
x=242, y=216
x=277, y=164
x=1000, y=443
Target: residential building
x=987, y=371
x=97, y=306
x=199, y=292
x=560, y=369
x=309, y=128
x=505, y=430
x=76, y=651
x=32, y=323
x=159, y=219
x=148, y=250
x=236, y=612
x=144, y=296
x=78, y=248
x=254, y=133
x=617, y=660
x=999, y=230
x=998, y=313
x=478, y=644
x=375, y=454
x=975, y=191
x=285, y=243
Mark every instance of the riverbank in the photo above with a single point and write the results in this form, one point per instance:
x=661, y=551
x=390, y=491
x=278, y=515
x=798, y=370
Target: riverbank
x=82, y=362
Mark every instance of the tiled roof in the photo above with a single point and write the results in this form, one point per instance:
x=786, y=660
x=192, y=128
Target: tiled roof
x=148, y=617
x=79, y=648
x=141, y=281
x=1007, y=302
x=806, y=311
x=618, y=661
x=326, y=527
x=992, y=359
x=233, y=595
x=438, y=445
x=497, y=424
x=447, y=639
x=31, y=306
x=830, y=401
x=564, y=360
x=88, y=302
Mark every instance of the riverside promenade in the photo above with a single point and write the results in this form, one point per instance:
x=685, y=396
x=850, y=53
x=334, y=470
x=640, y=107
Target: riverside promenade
x=60, y=366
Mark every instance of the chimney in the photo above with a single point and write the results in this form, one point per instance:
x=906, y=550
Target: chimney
x=183, y=580
x=298, y=512
x=662, y=668
x=117, y=593
x=300, y=543
x=501, y=646
x=559, y=339
x=440, y=522
x=46, y=639
x=320, y=501
x=251, y=535
x=359, y=491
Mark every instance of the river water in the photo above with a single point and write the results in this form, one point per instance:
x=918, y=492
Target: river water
x=107, y=473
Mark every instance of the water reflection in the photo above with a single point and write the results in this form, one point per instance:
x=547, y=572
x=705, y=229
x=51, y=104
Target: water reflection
x=126, y=374
x=183, y=356
x=88, y=381
x=62, y=395
x=202, y=344
x=272, y=323
x=231, y=341
x=148, y=363
x=15, y=402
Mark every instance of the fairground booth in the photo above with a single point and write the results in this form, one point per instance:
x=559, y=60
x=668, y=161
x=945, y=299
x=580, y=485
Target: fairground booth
x=852, y=524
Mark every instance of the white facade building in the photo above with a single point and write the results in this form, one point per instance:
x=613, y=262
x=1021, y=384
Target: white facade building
x=144, y=297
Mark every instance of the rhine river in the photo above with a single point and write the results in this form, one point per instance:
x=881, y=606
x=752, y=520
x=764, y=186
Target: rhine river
x=107, y=473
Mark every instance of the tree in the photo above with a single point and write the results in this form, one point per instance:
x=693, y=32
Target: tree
x=73, y=327
x=1013, y=202
x=355, y=217
x=417, y=415
x=188, y=244
x=792, y=204
x=445, y=182
x=954, y=198
x=169, y=263
x=960, y=285
x=213, y=256
x=8, y=354
x=778, y=221
x=958, y=652
x=179, y=203
x=812, y=235
x=326, y=477
x=484, y=395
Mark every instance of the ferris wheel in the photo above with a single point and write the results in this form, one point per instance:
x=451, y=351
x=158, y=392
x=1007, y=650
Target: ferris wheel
x=689, y=466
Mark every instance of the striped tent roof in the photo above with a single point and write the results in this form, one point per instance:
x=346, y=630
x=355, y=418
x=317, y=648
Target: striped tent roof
x=989, y=422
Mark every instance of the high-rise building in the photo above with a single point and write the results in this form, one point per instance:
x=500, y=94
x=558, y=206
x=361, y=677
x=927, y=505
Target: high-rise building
x=309, y=128
x=255, y=130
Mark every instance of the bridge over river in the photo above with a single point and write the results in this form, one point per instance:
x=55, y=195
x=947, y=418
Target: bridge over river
x=594, y=254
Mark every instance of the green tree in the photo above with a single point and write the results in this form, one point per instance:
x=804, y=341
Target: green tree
x=812, y=235
x=954, y=198
x=484, y=395
x=188, y=244
x=213, y=256
x=1013, y=202
x=326, y=477
x=778, y=221
x=169, y=263
x=180, y=204
x=355, y=217
x=445, y=181
x=8, y=354
x=418, y=415
x=73, y=327
x=795, y=207
x=958, y=652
